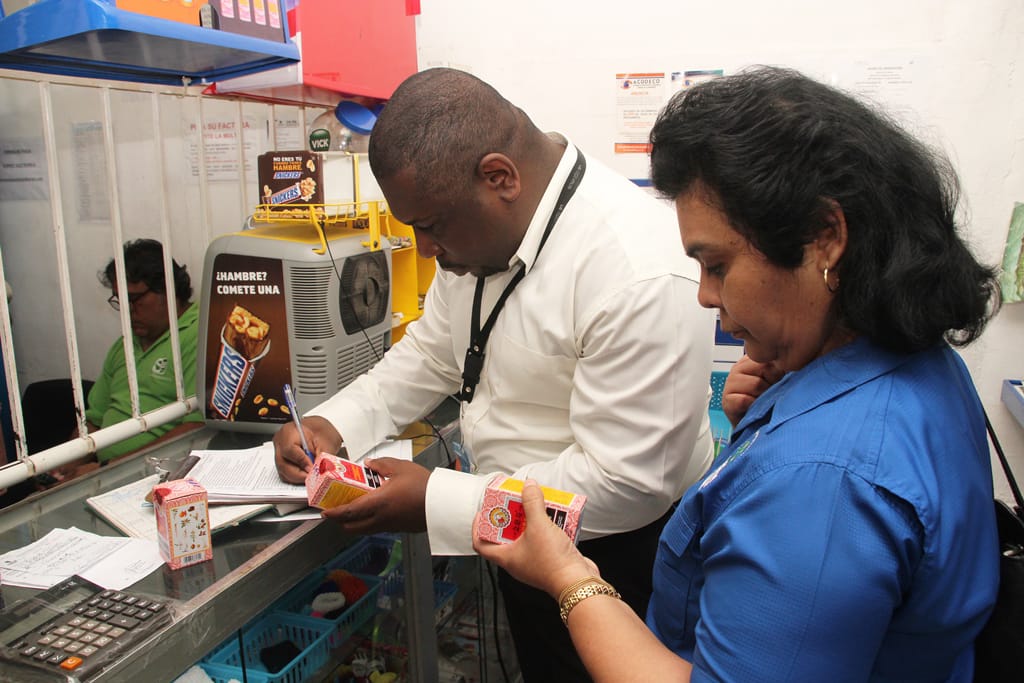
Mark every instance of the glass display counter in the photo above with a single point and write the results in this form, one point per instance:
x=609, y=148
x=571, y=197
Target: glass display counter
x=254, y=565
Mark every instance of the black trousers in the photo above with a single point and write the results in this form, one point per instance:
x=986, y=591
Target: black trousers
x=543, y=646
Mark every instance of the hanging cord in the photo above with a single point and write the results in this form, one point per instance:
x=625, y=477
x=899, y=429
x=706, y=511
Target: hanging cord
x=334, y=264
x=1014, y=489
x=494, y=621
x=448, y=456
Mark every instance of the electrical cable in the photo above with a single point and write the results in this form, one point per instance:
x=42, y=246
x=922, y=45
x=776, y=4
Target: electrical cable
x=437, y=433
x=494, y=621
x=334, y=265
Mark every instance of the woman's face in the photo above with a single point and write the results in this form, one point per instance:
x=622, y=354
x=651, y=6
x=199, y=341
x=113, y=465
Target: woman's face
x=784, y=317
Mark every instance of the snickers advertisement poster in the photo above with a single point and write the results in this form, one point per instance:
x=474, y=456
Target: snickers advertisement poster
x=247, y=355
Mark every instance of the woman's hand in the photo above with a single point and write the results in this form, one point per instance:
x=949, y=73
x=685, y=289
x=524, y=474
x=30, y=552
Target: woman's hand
x=543, y=556
x=747, y=380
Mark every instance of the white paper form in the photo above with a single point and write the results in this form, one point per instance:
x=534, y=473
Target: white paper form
x=235, y=476
x=65, y=552
x=134, y=560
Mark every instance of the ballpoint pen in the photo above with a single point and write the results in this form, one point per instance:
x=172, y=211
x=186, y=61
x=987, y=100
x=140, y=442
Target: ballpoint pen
x=289, y=398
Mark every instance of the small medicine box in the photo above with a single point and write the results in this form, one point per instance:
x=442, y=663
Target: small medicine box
x=334, y=481
x=504, y=519
x=182, y=523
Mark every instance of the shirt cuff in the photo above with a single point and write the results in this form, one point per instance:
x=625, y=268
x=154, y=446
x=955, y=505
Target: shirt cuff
x=453, y=499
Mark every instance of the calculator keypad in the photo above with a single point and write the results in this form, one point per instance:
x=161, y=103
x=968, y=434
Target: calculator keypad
x=69, y=641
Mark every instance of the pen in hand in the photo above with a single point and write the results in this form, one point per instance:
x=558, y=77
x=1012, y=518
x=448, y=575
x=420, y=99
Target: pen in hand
x=289, y=398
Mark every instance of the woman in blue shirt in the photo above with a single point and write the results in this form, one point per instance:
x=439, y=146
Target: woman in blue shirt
x=847, y=532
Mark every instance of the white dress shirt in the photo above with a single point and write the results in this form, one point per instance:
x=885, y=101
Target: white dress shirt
x=596, y=374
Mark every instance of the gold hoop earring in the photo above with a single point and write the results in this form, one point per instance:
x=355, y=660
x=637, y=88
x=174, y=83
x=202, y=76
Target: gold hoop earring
x=828, y=285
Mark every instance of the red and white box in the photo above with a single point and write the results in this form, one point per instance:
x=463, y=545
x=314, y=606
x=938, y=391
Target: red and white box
x=334, y=481
x=504, y=518
x=182, y=523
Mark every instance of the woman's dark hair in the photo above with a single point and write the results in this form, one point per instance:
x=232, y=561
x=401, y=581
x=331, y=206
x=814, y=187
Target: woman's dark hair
x=144, y=262
x=773, y=149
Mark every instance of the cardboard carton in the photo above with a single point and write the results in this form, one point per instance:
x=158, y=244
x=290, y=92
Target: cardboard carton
x=182, y=522
x=504, y=519
x=334, y=481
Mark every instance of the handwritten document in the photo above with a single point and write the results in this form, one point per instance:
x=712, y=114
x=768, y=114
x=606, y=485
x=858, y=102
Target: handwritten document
x=246, y=475
x=110, y=561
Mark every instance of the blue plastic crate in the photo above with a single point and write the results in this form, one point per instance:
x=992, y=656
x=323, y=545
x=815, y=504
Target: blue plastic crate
x=367, y=557
x=309, y=635
x=297, y=601
x=379, y=555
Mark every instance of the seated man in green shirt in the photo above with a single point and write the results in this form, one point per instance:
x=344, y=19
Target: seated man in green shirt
x=109, y=400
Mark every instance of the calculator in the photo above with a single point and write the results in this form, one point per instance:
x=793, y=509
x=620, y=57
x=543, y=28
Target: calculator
x=76, y=628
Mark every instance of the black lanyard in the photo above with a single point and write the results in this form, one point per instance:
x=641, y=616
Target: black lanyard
x=478, y=336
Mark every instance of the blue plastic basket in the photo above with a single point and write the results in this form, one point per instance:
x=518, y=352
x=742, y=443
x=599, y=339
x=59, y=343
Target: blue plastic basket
x=365, y=557
x=309, y=635
x=297, y=601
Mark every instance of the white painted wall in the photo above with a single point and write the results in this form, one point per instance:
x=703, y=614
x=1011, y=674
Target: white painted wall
x=558, y=60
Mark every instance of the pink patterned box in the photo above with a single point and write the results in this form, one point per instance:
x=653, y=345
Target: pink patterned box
x=182, y=523
x=504, y=519
x=334, y=481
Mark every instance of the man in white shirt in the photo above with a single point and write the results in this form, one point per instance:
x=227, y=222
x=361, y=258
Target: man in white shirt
x=594, y=375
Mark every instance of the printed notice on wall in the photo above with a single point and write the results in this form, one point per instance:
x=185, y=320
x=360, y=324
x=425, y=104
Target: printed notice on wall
x=23, y=170
x=220, y=146
x=902, y=82
x=638, y=99
x=288, y=134
x=90, y=163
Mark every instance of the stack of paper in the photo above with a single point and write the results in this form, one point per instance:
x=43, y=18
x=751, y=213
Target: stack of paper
x=250, y=475
x=111, y=562
x=127, y=509
x=244, y=476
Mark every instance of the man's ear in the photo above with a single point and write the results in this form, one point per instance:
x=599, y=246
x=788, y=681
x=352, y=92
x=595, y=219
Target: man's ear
x=831, y=240
x=500, y=175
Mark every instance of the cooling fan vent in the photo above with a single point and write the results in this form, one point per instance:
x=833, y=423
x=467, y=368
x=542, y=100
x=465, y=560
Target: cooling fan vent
x=365, y=287
x=311, y=317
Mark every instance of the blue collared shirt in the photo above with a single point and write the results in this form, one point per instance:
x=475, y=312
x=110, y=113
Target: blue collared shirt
x=846, y=534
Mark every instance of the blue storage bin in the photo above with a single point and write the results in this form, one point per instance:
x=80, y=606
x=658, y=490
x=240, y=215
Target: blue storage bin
x=309, y=635
x=297, y=601
x=372, y=554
